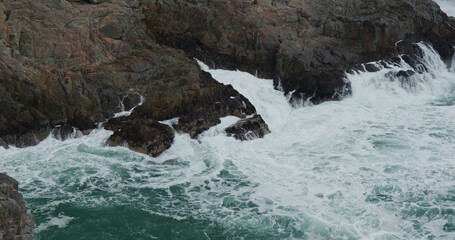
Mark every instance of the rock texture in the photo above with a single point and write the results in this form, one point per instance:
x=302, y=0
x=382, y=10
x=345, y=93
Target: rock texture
x=249, y=128
x=76, y=63
x=305, y=45
x=15, y=223
x=141, y=135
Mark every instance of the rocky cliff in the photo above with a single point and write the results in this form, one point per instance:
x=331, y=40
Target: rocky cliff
x=305, y=45
x=15, y=223
x=75, y=63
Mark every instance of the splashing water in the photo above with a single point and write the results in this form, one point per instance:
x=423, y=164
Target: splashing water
x=448, y=6
x=377, y=165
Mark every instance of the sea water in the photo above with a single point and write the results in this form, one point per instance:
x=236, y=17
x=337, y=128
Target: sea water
x=377, y=165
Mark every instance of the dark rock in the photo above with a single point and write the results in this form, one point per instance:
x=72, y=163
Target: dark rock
x=15, y=223
x=198, y=101
x=306, y=44
x=372, y=67
x=141, y=135
x=77, y=64
x=73, y=63
x=249, y=128
x=66, y=131
x=130, y=101
x=3, y=143
x=405, y=74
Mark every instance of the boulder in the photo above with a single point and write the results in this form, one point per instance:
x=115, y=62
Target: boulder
x=139, y=134
x=66, y=131
x=15, y=222
x=249, y=128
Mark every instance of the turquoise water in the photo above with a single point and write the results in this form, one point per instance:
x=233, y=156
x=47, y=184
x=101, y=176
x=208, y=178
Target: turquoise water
x=377, y=165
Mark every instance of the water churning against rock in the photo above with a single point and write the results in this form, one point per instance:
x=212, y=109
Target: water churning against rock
x=447, y=6
x=376, y=165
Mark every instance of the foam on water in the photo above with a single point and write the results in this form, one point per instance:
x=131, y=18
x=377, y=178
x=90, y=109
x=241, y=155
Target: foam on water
x=448, y=6
x=377, y=165
x=60, y=221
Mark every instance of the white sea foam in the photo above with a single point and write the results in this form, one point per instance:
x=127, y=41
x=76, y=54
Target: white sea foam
x=123, y=112
x=60, y=221
x=448, y=6
x=376, y=165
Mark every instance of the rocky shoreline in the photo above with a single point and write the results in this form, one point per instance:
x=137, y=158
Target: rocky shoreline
x=15, y=222
x=67, y=65
x=305, y=46
x=73, y=64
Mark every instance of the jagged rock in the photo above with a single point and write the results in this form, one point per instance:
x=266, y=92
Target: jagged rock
x=141, y=135
x=15, y=223
x=199, y=103
x=306, y=44
x=249, y=128
x=74, y=64
x=66, y=131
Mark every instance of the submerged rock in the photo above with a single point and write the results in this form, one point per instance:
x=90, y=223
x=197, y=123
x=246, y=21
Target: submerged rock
x=15, y=223
x=249, y=128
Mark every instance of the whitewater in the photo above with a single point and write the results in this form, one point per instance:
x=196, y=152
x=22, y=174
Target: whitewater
x=379, y=164
x=447, y=6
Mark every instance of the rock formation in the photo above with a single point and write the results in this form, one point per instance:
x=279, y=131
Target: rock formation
x=304, y=45
x=249, y=128
x=75, y=63
x=141, y=135
x=15, y=223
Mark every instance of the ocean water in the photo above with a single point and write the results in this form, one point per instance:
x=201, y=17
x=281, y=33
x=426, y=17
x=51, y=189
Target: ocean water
x=377, y=165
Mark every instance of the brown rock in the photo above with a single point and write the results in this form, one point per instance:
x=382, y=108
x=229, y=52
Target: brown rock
x=304, y=43
x=249, y=128
x=198, y=101
x=75, y=64
x=141, y=135
x=15, y=223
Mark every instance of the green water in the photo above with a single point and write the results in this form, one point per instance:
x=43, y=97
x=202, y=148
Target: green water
x=377, y=165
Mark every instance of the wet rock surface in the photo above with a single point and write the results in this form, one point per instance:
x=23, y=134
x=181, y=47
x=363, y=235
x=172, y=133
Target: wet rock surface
x=304, y=45
x=249, y=128
x=141, y=135
x=76, y=63
x=15, y=223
